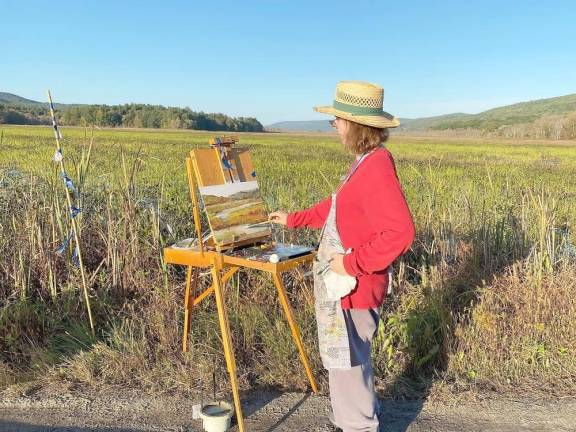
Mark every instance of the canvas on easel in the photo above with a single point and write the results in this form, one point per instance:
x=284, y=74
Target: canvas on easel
x=231, y=196
x=235, y=212
x=240, y=239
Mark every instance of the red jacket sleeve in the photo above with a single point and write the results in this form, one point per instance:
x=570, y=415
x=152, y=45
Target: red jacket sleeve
x=313, y=217
x=388, y=214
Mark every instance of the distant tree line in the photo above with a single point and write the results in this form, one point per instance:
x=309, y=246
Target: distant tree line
x=555, y=127
x=484, y=124
x=129, y=115
x=548, y=127
x=23, y=115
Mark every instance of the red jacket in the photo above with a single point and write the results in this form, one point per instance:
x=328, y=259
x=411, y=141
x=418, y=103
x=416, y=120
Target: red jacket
x=373, y=219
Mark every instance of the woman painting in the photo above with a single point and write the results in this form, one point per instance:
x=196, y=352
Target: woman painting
x=366, y=225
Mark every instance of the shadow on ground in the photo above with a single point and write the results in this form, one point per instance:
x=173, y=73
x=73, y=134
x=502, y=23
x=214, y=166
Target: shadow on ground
x=11, y=426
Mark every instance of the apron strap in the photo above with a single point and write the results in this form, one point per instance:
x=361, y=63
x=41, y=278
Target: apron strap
x=352, y=171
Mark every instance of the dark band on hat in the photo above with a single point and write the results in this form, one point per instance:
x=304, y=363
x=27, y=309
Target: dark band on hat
x=356, y=110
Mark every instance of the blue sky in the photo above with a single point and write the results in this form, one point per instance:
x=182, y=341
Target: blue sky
x=275, y=59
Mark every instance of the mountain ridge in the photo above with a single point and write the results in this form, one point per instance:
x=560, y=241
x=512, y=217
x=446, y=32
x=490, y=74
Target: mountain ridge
x=491, y=119
x=22, y=110
x=11, y=98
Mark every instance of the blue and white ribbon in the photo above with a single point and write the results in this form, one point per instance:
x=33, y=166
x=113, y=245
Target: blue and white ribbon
x=69, y=183
x=75, y=211
x=226, y=163
x=58, y=156
x=75, y=259
x=64, y=245
x=223, y=158
x=57, y=133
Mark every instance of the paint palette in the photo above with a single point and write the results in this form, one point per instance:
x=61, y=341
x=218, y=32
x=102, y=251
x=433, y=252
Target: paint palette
x=271, y=252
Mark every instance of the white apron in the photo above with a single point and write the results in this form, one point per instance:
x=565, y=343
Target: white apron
x=332, y=333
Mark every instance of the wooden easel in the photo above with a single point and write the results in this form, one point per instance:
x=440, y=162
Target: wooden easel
x=223, y=266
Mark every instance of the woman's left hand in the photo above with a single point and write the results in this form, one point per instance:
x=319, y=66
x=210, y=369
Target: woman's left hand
x=337, y=264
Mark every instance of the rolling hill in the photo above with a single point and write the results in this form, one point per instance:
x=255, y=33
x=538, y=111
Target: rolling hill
x=519, y=113
x=21, y=110
x=12, y=99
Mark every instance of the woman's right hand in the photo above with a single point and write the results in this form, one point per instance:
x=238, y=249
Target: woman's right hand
x=278, y=217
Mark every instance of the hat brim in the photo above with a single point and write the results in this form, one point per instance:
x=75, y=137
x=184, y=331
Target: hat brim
x=385, y=120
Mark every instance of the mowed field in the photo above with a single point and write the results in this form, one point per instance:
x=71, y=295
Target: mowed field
x=485, y=299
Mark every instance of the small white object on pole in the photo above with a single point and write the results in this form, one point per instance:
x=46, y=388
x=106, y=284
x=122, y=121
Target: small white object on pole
x=58, y=156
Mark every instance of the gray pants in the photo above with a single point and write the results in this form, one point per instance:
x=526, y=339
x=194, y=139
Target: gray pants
x=352, y=394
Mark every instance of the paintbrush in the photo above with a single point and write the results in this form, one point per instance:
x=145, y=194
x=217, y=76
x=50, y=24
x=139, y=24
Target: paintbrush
x=260, y=224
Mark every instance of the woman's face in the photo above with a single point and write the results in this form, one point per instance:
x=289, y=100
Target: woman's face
x=341, y=127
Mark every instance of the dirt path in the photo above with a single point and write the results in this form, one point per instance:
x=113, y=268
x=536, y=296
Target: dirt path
x=268, y=411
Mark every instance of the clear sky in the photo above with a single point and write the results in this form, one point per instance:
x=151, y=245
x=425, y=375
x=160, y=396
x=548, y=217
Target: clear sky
x=275, y=59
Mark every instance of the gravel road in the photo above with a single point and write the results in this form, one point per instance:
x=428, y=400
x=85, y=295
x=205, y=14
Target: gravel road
x=41, y=410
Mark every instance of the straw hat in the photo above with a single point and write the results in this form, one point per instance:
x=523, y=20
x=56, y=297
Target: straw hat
x=360, y=102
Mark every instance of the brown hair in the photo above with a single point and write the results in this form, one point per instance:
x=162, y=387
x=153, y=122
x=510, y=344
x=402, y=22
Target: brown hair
x=361, y=138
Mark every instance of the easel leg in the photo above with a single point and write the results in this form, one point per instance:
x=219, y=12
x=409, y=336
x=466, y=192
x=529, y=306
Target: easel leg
x=187, y=308
x=294, y=328
x=227, y=342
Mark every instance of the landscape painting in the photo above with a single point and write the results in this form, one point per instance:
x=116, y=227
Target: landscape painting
x=235, y=212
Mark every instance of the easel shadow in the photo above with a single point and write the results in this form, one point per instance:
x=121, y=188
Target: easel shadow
x=291, y=411
x=254, y=407
x=254, y=401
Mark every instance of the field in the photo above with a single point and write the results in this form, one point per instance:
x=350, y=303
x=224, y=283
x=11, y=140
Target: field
x=485, y=299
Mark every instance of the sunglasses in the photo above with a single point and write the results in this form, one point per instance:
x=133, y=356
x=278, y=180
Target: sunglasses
x=332, y=123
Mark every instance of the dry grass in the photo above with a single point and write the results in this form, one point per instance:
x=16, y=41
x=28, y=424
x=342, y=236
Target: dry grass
x=485, y=297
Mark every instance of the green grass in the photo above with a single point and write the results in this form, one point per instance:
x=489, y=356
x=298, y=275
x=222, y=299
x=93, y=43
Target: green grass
x=485, y=297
